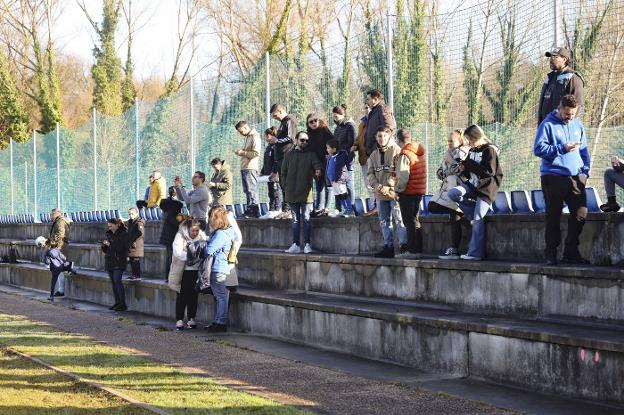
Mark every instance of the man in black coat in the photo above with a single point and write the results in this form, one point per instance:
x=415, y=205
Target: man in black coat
x=561, y=81
x=171, y=208
x=136, y=242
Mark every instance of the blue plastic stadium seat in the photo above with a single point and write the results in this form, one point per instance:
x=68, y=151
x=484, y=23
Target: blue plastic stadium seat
x=229, y=208
x=264, y=208
x=593, y=200
x=98, y=216
x=238, y=210
x=501, y=204
x=148, y=214
x=42, y=217
x=31, y=218
x=116, y=214
x=142, y=213
x=537, y=199
x=358, y=206
x=370, y=204
x=158, y=212
x=72, y=215
x=521, y=201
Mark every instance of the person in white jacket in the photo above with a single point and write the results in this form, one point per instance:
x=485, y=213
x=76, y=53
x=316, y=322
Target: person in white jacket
x=183, y=275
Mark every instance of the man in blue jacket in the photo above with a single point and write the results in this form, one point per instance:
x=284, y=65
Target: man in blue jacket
x=562, y=145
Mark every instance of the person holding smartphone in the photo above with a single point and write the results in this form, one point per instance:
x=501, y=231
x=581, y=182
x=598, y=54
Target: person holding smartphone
x=561, y=143
x=613, y=176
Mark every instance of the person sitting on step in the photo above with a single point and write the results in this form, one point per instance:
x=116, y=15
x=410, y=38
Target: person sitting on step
x=613, y=176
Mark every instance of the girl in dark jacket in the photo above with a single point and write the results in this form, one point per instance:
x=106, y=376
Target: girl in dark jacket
x=345, y=133
x=319, y=134
x=57, y=262
x=115, y=248
x=481, y=174
x=171, y=208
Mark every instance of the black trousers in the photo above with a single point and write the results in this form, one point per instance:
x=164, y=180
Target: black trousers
x=571, y=190
x=169, y=249
x=455, y=218
x=410, y=205
x=187, y=298
x=135, y=266
x=141, y=204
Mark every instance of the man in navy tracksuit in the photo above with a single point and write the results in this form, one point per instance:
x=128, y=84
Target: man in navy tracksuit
x=562, y=145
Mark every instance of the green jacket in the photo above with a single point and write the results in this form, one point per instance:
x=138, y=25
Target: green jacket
x=59, y=232
x=297, y=175
x=222, y=192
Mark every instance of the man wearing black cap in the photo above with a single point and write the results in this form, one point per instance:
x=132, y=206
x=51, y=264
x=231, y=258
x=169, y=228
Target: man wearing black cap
x=561, y=81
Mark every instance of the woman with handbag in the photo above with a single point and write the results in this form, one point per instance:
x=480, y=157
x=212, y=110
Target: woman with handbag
x=115, y=248
x=219, y=246
x=183, y=273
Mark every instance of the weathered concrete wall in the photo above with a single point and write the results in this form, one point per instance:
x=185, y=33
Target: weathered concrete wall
x=515, y=237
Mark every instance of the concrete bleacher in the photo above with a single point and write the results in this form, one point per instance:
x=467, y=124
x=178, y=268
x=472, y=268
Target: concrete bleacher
x=556, y=329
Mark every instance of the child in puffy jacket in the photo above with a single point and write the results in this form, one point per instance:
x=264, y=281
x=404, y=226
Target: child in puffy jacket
x=337, y=176
x=58, y=263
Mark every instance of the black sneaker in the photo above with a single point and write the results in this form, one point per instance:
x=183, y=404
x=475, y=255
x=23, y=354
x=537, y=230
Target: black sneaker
x=551, y=260
x=386, y=252
x=113, y=306
x=404, y=249
x=59, y=294
x=574, y=259
x=610, y=207
x=216, y=328
x=121, y=307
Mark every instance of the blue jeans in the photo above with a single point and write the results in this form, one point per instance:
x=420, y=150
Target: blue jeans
x=118, y=288
x=476, y=211
x=351, y=188
x=61, y=283
x=250, y=186
x=220, y=294
x=300, y=213
x=387, y=210
x=323, y=193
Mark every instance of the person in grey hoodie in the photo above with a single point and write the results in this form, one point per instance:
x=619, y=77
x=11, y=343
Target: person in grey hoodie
x=198, y=199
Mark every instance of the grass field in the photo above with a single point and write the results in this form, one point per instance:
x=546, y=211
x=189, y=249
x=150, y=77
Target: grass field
x=26, y=388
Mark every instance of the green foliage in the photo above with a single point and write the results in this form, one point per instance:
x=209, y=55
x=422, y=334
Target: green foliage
x=48, y=97
x=471, y=82
x=13, y=118
x=128, y=91
x=373, y=56
x=106, y=72
x=411, y=62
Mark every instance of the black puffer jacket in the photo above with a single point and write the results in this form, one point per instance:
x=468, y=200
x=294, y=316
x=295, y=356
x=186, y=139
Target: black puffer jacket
x=345, y=133
x=170, y=208
x=116, y=253
x=136, y=241
x=318, y=142
x=556, y=85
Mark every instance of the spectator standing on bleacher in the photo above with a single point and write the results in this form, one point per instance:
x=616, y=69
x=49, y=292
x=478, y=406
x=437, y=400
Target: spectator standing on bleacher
x=59, y=235
x=337, y=175
x=380, y=168
x=183, y=273
x=410, y=177
x=197, y=200
x=136, y=242
x=221, y=183
x=171, y=208
x=345, y=133
x=249, y=159
x=561, y=81
x=562, y=145
x=115, y=248
x=157, y=192
x=482, y=175
x=285, y=141
x=269, y=169
x=380, y=116
x=360, y=147
x=56, y=260
x=319, y=135
x=613, y=176
x=441, y=203
x=143, y=203
x=298, y=171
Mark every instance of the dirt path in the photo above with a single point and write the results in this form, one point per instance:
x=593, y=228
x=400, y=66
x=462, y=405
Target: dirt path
x=287, y=381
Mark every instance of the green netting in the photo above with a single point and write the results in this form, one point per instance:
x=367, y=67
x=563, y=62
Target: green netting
x=483, y=64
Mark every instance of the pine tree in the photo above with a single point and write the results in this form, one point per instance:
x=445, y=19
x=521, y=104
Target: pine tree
x=13, y=118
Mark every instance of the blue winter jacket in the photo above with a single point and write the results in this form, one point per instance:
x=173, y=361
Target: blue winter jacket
x=550, y=140
x=337, y=168
x=54, y=258
x=219, y=246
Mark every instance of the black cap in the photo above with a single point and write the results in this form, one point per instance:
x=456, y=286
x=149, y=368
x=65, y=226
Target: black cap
x=558, y=51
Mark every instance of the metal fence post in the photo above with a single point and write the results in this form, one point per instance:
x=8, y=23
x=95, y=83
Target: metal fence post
x=95, y=180
x=58, y=166
x=35, y=173
x=555, y=4
x=267, y=95
x=390, y=65
x=12, y=178
x=192, y=127
x=136, y=149
x=109, y=186
x=26, y=185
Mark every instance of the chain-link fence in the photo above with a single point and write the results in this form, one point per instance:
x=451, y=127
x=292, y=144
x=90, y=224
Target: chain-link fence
x=484, y=64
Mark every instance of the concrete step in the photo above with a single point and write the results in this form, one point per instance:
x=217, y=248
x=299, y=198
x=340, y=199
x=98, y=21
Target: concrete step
x=529, y=290
x=515, y=237
x=495, y=394
x=554, y=357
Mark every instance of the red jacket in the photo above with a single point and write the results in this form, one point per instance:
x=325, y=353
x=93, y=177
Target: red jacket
x=411, y=170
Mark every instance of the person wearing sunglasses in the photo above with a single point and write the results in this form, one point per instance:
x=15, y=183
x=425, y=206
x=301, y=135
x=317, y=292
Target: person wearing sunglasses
x=319, y=134
x=298, y=171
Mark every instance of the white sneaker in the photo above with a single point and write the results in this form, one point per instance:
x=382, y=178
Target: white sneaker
x=294, y=249
x=333, y=213
x=470, y=258
x=307, y=249
x=450, y=253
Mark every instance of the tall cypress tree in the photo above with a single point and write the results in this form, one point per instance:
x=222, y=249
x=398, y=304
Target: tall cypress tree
x=13, y=118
